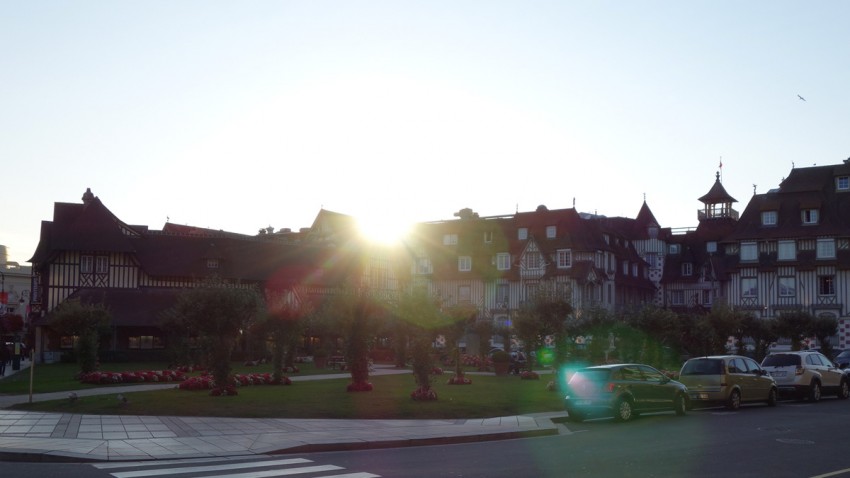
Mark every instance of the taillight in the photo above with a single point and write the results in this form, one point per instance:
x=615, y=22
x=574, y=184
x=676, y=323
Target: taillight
x=799, y=370
x=610, y=386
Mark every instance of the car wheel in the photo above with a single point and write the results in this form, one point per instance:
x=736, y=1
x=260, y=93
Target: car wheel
x=680, y=405
x=844, y=390
x=624, y=411
x=814, y=392
x=734, y=401
x=772, y=398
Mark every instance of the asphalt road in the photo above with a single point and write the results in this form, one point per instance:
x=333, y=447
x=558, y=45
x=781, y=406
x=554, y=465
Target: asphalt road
x=795, y=439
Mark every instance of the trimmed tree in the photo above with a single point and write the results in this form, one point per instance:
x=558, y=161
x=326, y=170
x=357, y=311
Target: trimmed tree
x=87, y=322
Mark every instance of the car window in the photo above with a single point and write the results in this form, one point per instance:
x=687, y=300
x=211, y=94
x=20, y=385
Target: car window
x=812, y=359
x=824, y=360
x=631, y=373
x=702, y=367
x=781, y=360
x=650, y=374
x=752, y=365
x=599, y=375
x=736, y=365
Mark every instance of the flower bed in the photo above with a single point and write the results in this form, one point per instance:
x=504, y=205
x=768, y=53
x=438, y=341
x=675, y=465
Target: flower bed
x=150, y=376
x=206, y=382
x=459, y=380
x=423, y=394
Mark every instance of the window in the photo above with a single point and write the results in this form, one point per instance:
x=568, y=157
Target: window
x=768, y=218
x=787, y=251
x=634, y=270
x=532, y=260
x=826, y=285
x=677, y=297
x=503, y=261
x=551, y=232
x=711, y=247
x=687, y=269
x=488, y=237
x=787, y=287
x=145, y=342
x=101, y=265
x=522, y=233
x=423, y=265
x=810, y=216
x=464, y=263
x=673, y=249
x=626, y=268
x=565, y=258
x=86, y=264
x=449, y=239
x=706, y=297
x=749, y=287
x=502, y=291
x=826, y=249
x=749, y=251
x=212, y=264
x=842, y=183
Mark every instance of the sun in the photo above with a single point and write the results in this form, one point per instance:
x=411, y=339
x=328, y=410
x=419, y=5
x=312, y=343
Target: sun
x=383, y=230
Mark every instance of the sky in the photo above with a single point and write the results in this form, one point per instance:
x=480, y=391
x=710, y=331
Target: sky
x=244, y=115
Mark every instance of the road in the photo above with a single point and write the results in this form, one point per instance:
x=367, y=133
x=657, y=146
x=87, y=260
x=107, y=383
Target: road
x=795, y=439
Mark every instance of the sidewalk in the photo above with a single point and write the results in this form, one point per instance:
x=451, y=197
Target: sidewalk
x=37, y=436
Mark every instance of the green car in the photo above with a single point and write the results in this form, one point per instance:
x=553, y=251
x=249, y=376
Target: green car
x=622, y=391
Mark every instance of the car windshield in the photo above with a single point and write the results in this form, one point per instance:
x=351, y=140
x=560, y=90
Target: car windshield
x=703, y=367
x=591, y=375
x=843, y=355
x=781, y=360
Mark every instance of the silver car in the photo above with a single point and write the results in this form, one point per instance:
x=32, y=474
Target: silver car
x=807, y=374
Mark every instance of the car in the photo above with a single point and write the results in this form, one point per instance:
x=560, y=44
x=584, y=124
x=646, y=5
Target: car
x=842, y=359
x=729, y=380
x=807, y=374
x=622, y=391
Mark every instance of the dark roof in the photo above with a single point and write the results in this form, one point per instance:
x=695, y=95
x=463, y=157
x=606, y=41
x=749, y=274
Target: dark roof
x=128, y=307
x=717, y=194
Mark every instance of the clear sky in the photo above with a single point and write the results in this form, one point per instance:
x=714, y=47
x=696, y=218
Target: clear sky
x=242, y=115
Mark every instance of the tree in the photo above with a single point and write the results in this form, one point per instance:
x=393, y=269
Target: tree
x=761, y=331
x=421, y=312
x=357, y=316
x=217, y=313
x=282, y=324
x=545, y=314
x=794, y=325
x=460, y=319
x=822, y=328
x=88, y=323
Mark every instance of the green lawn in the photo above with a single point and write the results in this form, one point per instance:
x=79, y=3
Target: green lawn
x=487, y=396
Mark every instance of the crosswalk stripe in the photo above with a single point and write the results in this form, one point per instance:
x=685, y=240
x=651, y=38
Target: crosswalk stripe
x=286, y=472
x=199, y=469
x=352, y=475
x=132, y=464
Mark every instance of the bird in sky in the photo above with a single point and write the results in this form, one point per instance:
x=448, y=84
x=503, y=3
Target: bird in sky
x=798, y=96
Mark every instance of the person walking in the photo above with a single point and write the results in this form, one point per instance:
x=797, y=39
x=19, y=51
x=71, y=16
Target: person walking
x=4, y=358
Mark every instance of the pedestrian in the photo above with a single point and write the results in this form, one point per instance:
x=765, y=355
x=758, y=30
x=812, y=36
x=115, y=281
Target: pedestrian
x=4, y=357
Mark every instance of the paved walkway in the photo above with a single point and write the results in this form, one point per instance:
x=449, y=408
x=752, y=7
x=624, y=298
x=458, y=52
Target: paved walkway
x=38, y=436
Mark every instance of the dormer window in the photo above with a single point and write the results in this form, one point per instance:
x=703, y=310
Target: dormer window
x=503, y=261
x=565, y=258
x=449, y=239
x=826, y=249
x=522, y=233
x=787, y=251
x=687, y=269
x=532, y=260
x=488, y=237
x=212, y=264
x=551, y=232
x=842, y=183
x=711, y=247
x=749, y=251
x=464, y=263
x=768, y=218
x=809, y=216
x=673, y=249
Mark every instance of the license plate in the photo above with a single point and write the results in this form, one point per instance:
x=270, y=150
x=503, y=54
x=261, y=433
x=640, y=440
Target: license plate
x=779, y=373
x=582, y=402
x=702, y=396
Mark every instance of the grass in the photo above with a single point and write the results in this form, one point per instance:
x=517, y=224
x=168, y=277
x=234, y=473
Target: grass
x=487, y=396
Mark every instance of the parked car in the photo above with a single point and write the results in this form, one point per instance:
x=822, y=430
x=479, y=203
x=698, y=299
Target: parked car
x=729, y=380
x=622, y=391
x=807, y=374
x=842, y=359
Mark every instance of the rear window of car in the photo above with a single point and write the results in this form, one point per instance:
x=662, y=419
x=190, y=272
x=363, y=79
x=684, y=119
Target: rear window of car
x=600, y=375
x=703, y=367
x=781, y=360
